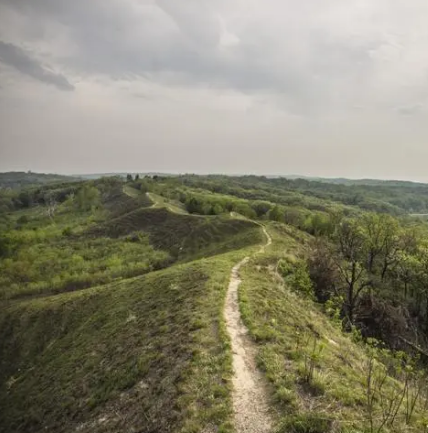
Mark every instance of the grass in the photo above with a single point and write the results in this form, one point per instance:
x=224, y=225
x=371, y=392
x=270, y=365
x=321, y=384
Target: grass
x=294, y=336
x=143, y=348
x=131, y=191
x=77, y=250
x=184, y=237
x=123, y=199
x=148, y=354
x=64, y=264
x=162, y=202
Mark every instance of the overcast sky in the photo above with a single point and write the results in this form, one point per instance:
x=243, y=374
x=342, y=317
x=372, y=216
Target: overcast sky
x=324, y=88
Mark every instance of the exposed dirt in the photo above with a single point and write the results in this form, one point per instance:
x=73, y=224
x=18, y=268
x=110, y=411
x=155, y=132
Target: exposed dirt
x=251, y=409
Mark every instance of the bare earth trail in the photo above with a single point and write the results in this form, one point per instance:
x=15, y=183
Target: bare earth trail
x=251, y=410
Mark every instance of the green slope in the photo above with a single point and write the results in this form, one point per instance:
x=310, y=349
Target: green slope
x=294, y=336
x=184, y=237
x=147, y=354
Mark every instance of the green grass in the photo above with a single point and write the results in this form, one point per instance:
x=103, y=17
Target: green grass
x=184, y=237
x=131, y=191
x=290, y=330
x=148, y=354
x=162, y=202
x=77, y=250
x=64, y=263
x=132, y=335
x=124, y=199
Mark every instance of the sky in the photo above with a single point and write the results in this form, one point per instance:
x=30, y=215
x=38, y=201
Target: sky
x=332, y=88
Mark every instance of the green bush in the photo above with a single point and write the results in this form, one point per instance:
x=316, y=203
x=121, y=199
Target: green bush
x=67, y=231
x=22, y=220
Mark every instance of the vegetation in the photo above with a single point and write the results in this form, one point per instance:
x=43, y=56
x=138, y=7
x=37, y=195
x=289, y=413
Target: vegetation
x=16, y=179
x=112, y=292
x=143, y=354
x=323, y=379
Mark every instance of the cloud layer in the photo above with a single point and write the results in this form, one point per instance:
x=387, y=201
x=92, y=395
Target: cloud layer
x=21, y=61
x=331, y=78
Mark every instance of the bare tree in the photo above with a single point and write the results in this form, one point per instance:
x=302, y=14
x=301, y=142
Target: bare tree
x=350, y=260
x=51, y=205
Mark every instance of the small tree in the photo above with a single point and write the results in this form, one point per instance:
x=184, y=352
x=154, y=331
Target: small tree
x=5, y=245
x=322, y=271
x=25, y=199
x=88, y=198
x=51, y=204
x=350, y=260
x=275, y=214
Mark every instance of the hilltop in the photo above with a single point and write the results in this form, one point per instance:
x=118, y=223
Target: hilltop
x=19, y=179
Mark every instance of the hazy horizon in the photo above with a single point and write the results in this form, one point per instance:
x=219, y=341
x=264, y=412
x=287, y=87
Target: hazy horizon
x=323, y=89
x=177, y=173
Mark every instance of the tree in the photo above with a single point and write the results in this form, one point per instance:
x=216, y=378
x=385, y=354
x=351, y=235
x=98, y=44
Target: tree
x=293, y=217
x=25, y=199
x=192, y=205
x=276, y=214
x=51, y=204
x=406, y=270
x=217, y=209
x=319, y=225
x=350, y=260
x=129, y=177
x=322, y=270
x=5, y=245
x=244, y=209
x=137, y=177
x=88, y=198
x=261, y=208
x=422, y=280
x=381, y=241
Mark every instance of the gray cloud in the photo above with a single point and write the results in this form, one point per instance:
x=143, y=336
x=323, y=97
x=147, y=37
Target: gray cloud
x=16, y=57
x=187, y=43
x=268, y=85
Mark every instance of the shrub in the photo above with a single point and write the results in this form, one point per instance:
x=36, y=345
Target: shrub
x=67, y=231
x=22, y=220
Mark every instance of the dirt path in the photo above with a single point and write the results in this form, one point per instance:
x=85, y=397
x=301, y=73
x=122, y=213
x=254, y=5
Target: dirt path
x=250, y=405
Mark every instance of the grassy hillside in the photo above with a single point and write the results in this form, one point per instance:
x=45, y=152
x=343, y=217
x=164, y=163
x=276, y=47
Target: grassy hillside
x=182, y=236
x=124, y=236
x=148, y=354
x=393, y=197
x=319, y=375
x=112, y=296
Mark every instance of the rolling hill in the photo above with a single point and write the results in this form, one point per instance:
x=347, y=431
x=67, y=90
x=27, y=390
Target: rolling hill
x=113, y=318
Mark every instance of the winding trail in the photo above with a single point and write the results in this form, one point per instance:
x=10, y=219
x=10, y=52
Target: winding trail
x=251, y=410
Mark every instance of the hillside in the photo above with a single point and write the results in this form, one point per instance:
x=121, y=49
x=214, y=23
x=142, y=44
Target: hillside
x=19, y=179
x=317, y=375
x=394, y=197
x=121, y=308
x=141, y=355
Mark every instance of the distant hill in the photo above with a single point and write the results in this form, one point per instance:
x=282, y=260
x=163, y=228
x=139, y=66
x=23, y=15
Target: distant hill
x=133, y=173
x=346, y=181
x=18, y=179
